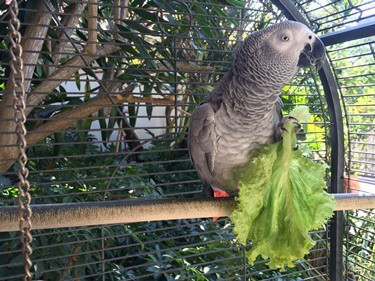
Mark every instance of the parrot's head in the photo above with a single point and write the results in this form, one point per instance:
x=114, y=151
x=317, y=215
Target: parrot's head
x=281, y=49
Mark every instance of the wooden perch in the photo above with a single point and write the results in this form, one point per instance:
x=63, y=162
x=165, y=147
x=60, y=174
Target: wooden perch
x=71, y=116
x=143, y=210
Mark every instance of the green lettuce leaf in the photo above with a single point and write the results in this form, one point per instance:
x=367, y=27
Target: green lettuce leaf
x=281, y=199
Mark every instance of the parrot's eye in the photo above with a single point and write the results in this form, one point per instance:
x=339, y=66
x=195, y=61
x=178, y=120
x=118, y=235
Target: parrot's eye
x=285, y=38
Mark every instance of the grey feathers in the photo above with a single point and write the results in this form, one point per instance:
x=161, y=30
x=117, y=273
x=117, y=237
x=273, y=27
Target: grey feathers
x=203, y=141
x=242, y=112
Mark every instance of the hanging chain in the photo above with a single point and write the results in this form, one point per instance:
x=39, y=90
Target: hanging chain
x=17, y=80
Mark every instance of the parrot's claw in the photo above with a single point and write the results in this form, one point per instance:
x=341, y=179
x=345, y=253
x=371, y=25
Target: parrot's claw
x=280, y=127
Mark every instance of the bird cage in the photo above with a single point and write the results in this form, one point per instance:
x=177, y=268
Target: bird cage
x=105, y=91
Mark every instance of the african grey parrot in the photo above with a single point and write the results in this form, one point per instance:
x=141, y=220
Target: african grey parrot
x=243, y=112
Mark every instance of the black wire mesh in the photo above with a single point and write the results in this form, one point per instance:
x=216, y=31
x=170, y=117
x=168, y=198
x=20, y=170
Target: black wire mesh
x=111, y=125
x=327, y=16
x=352, y=66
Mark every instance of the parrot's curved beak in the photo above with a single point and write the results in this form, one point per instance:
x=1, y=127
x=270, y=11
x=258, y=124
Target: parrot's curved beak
x=313, y=54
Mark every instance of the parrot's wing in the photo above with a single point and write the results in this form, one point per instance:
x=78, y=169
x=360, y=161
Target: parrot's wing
x=202, y=141
x=279, y=108
x=278, y=113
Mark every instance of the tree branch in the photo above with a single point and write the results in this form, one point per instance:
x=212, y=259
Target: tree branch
x=33, y=40
x=37, y=29
x=112, y=85
x=72, y=260
x=92, y=24
x=70, y=19
x=71, y=116
x=64, y=73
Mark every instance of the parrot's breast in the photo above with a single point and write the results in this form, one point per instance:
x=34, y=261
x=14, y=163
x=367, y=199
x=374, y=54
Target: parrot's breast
x=239, y=137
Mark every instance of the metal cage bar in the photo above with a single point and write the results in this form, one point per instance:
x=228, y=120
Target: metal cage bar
x=348, y=34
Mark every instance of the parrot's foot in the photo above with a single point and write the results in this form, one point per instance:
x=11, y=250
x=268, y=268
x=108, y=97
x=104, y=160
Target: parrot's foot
x=221, y=193
x=217, y=194
x=280, y=127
